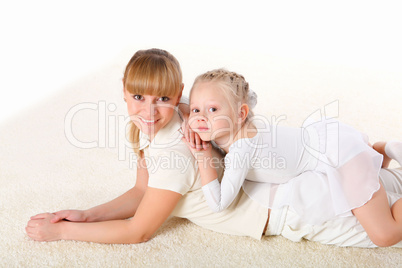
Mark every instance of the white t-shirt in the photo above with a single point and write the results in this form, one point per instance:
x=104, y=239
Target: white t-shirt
x=171, y=166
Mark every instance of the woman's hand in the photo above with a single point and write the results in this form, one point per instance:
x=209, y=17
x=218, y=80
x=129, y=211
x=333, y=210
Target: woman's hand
x=69, y=215
x=41, y=228
x=155, y=207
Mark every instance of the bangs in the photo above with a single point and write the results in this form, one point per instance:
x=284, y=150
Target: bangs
x=153, y=75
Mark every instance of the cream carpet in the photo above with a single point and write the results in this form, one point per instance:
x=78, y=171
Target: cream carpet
x=43, y=168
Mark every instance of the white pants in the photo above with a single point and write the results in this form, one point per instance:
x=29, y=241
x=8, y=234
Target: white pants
x=343, y=231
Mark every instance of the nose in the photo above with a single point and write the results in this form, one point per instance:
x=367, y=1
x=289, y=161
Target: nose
x=197, y=119
x=151, y=108
x=201, y=118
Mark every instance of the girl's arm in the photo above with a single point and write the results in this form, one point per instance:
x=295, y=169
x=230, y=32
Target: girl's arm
x=219, y=196
x=154, y=209
x=206, y=165
x=206, y=162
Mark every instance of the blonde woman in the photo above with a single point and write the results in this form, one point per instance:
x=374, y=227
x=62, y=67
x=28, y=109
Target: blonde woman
x=152, y=89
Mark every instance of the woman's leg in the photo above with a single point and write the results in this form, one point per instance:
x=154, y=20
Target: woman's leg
x=382, y=224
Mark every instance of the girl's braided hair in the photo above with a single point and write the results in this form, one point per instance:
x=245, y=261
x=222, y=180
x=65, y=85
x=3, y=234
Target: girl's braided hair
x=235, y=87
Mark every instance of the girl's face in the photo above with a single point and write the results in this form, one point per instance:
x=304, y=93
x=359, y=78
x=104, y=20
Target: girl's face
x=151, y=113
x=211, y=114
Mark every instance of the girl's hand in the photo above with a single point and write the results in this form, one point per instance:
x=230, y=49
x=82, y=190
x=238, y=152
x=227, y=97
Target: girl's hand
x=42, y=229
x=199, y=154
x=69, y=215
x=192, y=138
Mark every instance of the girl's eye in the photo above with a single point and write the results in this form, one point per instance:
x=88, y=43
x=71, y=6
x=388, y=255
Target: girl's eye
x=195, y=110
x=212, y=109
x=164, y=99
x=138, y=97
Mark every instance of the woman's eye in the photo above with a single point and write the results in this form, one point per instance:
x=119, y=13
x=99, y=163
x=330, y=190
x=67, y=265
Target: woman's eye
x=195, y=110
x=164, y=99
x=137, y=97
x=212, y=109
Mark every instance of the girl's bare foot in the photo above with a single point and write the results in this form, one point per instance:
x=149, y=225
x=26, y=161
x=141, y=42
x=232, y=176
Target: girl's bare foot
x=393, y=149
x=380, y=147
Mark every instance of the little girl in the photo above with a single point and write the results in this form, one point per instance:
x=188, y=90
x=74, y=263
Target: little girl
x=277, y=158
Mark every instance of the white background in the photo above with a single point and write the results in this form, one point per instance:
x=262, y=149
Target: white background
x=48, y=44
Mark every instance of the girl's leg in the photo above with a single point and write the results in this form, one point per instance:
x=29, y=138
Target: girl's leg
x=382, y=224
x=396, y=211
x=390, y=150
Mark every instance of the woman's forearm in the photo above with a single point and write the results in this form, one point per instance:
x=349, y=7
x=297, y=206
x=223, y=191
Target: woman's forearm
x=122, y=207
x=111, y=232
x=126, y=205
x=156, y=206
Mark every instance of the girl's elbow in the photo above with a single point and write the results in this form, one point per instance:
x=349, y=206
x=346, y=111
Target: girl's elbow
x=217, y=209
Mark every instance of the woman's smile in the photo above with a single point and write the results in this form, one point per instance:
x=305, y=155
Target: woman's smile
x=151, y=113
x=149, y=122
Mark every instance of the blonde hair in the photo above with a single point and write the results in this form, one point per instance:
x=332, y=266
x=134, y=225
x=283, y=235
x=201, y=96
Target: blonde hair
x=151, y=72
x=234, y=87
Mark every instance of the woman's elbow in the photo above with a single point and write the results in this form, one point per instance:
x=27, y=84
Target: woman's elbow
x=139, y=237
x=143, y=239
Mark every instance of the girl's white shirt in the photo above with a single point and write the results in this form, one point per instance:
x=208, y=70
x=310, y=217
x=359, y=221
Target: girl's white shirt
x=274, y=155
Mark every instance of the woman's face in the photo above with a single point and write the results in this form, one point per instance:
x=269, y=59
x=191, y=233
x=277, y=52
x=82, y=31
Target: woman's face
x=151, y=113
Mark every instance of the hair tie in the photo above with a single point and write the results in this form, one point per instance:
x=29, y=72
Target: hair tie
x=252, y=99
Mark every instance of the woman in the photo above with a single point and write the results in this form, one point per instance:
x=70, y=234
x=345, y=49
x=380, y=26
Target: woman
x=168, y=181
x=152, y=89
